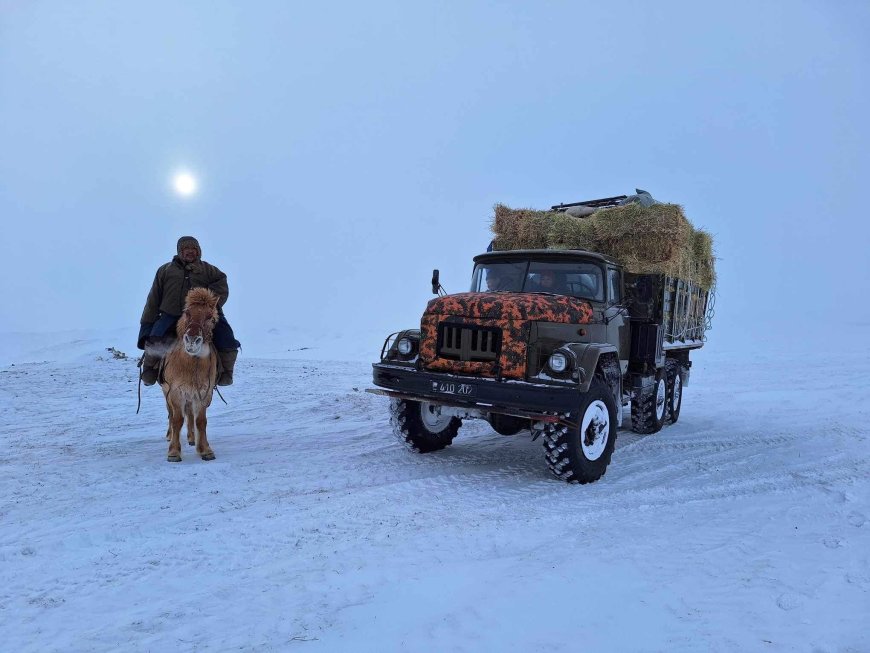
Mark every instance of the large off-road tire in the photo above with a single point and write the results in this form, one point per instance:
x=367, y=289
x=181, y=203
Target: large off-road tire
x=581, y=454
x=675, y=388
x=648, y=412
x=421, y=426
x=508, y=425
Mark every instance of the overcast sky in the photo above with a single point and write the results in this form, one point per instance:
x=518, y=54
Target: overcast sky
x=343, y=150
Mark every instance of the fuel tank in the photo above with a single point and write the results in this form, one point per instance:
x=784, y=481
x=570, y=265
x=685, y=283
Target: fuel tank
x=486, y=334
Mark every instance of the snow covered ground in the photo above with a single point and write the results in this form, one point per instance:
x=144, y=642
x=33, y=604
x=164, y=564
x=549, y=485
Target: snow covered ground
x=744, y=527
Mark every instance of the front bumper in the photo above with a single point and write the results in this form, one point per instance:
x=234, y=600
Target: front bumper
x=507, y=397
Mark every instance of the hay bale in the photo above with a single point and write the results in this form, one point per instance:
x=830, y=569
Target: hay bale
x=519, y=228
x=650, y=238
x=568, y=232
x=657, y=239
x=702, y=252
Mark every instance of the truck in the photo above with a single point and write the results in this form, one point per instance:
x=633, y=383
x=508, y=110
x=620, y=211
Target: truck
x=564, y=344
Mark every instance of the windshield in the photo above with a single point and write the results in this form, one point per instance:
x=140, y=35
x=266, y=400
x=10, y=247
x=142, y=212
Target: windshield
x=577, y=279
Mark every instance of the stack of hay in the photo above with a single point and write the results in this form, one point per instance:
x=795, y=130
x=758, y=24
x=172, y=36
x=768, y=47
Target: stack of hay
x=658, y=239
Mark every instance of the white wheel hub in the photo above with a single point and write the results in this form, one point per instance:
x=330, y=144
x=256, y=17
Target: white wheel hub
x=660, y=400
x=433, y=419
x=595, y=430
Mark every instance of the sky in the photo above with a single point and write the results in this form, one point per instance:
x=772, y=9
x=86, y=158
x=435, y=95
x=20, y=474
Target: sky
x=344, y=150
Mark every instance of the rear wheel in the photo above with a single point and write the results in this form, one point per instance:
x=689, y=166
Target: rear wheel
x=421, y=426
x=675, y=388
x=648, y=410
x=581, y=453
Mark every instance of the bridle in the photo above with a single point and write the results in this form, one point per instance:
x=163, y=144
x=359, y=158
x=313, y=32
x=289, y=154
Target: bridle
x=193, y=345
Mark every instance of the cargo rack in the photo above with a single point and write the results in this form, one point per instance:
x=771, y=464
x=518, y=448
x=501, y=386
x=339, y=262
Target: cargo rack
x=603, y=203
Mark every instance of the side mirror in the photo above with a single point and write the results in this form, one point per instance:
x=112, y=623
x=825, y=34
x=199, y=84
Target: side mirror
x=435, y=283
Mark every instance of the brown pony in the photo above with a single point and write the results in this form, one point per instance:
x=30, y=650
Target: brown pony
x=190, y=373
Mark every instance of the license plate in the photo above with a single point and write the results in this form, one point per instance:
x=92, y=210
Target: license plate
x=450, y=388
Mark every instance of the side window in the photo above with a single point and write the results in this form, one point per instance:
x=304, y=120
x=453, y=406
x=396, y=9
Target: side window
x=614, y=284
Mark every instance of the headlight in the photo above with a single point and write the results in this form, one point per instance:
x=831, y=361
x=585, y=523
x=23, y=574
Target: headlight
x=405, y=346
x=558, y=362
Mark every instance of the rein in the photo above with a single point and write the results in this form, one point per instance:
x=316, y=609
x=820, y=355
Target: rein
x=139, y=365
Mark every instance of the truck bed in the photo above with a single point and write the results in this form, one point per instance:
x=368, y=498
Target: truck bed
x=680, y=307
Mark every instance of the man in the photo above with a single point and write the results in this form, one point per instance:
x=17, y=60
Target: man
x=493, y=280
x=547, y=282
x=165, y=304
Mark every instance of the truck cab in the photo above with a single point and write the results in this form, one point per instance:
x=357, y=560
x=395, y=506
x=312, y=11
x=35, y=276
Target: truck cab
x=582, y=275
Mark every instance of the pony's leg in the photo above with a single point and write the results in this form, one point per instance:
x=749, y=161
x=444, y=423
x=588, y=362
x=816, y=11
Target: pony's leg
x=202, y=446
x=169, y=411
x=191, y=433
x=176, y=420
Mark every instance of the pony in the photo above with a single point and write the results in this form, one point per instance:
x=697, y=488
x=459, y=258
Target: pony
x=189, y=374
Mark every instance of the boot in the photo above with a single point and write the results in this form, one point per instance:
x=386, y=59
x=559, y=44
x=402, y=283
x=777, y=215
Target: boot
x=150, y=366
x=228, y=362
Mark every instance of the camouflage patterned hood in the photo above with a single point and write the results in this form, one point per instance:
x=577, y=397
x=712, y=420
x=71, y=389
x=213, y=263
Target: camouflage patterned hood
x=508, y=313
x=513, y=306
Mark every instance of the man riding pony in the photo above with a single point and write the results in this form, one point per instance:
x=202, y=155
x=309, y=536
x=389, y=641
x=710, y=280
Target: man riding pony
x=165, y=304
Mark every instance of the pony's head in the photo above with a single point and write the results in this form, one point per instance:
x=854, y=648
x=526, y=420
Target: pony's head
x=196, y=324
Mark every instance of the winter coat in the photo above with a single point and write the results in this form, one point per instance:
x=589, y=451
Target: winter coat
x=172, y=282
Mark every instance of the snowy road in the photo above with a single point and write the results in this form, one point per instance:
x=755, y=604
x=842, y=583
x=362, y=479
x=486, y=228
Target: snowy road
x=746, y=526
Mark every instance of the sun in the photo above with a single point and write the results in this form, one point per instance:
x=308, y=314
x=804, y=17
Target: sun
x=184, y=184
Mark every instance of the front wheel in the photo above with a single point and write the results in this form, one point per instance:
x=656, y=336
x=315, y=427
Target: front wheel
x=580, y=453
x=421, y=426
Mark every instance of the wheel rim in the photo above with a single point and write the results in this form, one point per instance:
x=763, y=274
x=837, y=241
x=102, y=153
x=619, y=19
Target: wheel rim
x=660, y=400
x=678, y=393
x=432, y=417
x=595, y=430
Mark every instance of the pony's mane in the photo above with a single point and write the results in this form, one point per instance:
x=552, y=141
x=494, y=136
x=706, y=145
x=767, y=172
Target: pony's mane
x=201, y=297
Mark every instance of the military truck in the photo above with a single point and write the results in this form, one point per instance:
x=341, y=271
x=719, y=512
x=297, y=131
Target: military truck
x=565, y=344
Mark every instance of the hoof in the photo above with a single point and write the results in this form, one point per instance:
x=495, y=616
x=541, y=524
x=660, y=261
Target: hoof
x=191, y=443
x=173, y=459
x=208, y=456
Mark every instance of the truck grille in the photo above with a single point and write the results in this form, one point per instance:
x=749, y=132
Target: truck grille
x=468, y=343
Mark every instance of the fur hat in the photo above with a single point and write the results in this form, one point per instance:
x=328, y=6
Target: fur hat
x=186, y=241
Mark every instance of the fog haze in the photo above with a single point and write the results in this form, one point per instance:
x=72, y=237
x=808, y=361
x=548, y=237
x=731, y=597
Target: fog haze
x=344, y=150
